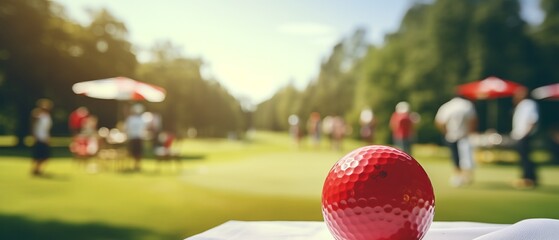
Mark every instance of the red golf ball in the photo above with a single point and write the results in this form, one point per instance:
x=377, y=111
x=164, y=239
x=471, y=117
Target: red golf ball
x=377, y=192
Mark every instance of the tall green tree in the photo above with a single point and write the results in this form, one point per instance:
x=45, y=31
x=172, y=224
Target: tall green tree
x=438, y=46
x=273, y=113
x=192, y=101
x=398, y=71
x=546, y=35
x=331, y=93
x=23, y=24
x=101, y=50
x=43, y=54
x=499, y=44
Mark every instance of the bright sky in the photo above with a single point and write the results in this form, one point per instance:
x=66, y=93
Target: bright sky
x=253, y=47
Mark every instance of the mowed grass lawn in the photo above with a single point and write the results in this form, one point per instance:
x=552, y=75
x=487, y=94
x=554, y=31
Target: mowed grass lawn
x=266, y=178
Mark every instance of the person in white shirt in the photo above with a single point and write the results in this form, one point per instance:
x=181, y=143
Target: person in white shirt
x=42, y=123
x=135, y=129
x=456, y=119
x=524, y=122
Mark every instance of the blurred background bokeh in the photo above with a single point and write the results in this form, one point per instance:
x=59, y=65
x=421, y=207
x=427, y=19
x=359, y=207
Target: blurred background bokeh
x=436, y=46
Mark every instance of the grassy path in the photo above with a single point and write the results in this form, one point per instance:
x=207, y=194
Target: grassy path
x=265, y=179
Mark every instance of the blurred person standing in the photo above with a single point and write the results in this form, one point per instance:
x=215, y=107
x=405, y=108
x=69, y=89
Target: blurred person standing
x=135, y=128
x=90, y=133
x=457, y=119
x=41, y=126
x=76, y=119
x=327, y=128
x=294, y=130
x=314, y=128
x=524, y=123
x=367, y=122
x=401, y=124
x=85, y=144
x=338, y=132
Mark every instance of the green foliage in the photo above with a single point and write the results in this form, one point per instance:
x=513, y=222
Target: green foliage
x=546, y=37
x=332, y=93
x=222, y=180
x=192, y=101
x=437, y=47
x=274, y=112
x=42, y=54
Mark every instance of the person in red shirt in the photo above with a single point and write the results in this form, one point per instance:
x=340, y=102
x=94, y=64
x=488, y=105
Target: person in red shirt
x=77, y=119
x=401, y=124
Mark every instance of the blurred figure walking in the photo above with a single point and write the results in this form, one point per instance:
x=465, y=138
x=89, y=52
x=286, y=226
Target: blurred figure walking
x=524, y=122
x=135, y=128
x=85, y=144
x=314, y=129
x=76, y=120
x=457, y=119
x=339, y=131
x=294, y=129
x=368, y=122
x=401, y=124
x=41, y=126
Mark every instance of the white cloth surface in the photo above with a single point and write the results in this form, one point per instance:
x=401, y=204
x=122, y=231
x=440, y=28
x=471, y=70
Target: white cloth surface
x=536, y=229
x=529, y=229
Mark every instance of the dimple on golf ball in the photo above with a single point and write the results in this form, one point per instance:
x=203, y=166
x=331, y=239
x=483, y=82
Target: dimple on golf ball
x=377, y=192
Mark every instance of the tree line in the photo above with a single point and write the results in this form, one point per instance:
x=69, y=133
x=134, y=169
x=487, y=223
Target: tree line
x=438, y=46
x=43, y=53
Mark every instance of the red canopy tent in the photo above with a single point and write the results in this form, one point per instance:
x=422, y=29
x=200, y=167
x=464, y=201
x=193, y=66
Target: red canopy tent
x=120, y=88
x=550, y=92
x=489, y=88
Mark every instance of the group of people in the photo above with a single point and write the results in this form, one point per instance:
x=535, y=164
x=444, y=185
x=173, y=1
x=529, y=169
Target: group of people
x=333, y=127
x=457, y=120
x=336, y=129
x=83, y=127
x=86, y=141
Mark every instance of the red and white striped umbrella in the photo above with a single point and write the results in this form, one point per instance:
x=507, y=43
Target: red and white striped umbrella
x=547, y=92
x=120, y=88
x=489, y=88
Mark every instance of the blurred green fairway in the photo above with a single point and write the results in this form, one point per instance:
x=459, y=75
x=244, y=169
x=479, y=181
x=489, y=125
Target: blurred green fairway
x=266, y=178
